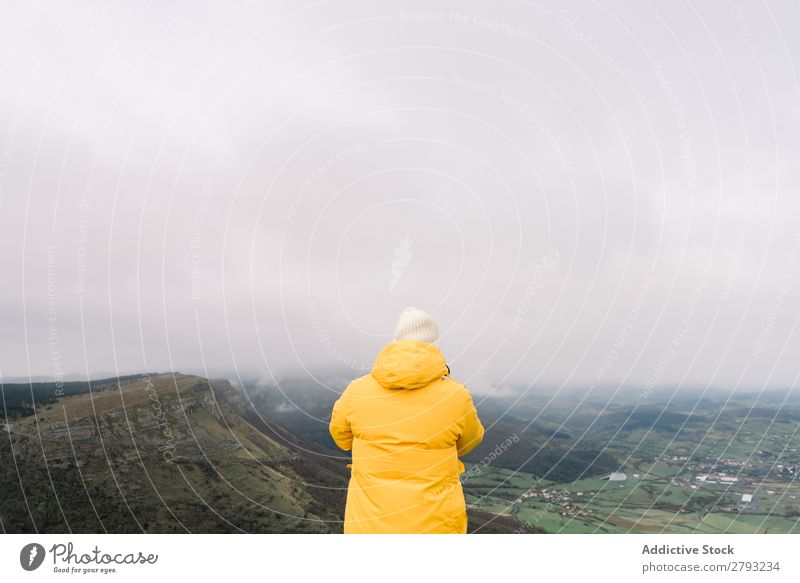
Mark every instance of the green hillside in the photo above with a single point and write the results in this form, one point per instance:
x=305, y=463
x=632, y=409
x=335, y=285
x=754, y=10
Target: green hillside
x=170, y=454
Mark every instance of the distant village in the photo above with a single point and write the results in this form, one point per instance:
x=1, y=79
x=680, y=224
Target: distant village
x=742, y=479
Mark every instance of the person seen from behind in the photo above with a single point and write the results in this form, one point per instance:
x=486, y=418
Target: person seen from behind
x=407, y=423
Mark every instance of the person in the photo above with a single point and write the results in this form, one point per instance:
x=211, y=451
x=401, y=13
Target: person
x=407, y=423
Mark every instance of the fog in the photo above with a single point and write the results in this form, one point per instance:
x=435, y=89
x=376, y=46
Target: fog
x=579, y=194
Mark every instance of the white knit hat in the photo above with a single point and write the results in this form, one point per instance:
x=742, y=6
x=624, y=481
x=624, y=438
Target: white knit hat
x=415, y=324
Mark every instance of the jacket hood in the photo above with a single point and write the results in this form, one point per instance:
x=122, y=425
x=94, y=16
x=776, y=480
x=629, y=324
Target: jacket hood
x=408, y=364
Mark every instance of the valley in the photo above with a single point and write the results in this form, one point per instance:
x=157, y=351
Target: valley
x=173, y=452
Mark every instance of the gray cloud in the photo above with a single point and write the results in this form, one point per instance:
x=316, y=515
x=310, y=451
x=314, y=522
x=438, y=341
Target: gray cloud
x=580, y=195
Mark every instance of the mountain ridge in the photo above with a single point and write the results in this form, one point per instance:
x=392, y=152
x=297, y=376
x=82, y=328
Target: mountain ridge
x=167, y=453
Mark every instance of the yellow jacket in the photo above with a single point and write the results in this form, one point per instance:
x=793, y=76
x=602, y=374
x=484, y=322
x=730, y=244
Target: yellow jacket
x=407, y=423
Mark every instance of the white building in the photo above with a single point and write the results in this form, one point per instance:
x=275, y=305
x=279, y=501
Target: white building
x=615, y=477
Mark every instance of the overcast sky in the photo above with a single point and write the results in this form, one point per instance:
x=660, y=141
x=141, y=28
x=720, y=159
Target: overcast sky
x=592, y=194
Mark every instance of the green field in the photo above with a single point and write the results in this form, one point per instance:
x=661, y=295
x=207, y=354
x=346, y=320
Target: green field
x=633, y=505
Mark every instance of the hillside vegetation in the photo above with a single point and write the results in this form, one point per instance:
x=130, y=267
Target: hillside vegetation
x=167, y=453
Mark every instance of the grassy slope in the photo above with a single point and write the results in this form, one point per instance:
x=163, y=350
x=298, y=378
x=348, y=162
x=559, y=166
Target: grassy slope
x=108, y=468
